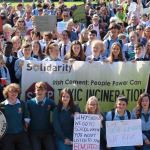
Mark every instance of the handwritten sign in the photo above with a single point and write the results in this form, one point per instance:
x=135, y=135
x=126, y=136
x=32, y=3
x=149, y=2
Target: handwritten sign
x=61, y=26
x=3, y=124
x=124, y=133
x=86, y=132
x=45, y=23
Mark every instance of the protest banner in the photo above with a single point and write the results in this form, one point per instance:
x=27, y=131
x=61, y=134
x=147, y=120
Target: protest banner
x=45, y=23
x=124, y=133
x=105, y=81
x=86, y=134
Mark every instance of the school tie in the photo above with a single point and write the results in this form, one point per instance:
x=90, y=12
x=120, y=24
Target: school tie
x=121, y=117
x=40, y=103
x=7, y=60
x=65, y=50
x=96, y=59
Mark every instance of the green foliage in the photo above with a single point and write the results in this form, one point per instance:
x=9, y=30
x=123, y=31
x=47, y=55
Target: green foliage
x=79, y=14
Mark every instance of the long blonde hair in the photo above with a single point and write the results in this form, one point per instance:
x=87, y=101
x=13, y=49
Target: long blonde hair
x=92, y=98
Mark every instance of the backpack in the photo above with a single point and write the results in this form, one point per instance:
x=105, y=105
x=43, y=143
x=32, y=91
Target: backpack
x=108, y=44
x=113, y=114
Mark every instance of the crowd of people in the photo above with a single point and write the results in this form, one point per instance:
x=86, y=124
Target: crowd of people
x=113, y=31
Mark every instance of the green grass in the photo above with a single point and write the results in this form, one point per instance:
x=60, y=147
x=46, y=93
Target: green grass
x=69, y=4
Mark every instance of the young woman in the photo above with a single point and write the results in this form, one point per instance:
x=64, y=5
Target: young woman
x=21, y=26
x=17, y=118
x=92, y=107
x=37, y=51
x=97, y=51
x=142, y=111
x=115, y=53
x=63, y=120
x=52, y=52
x=120, y=112
x=76, y=52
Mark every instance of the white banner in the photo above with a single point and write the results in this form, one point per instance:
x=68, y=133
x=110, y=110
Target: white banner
x=124, y=133
x=105, y=81
x=86, y=132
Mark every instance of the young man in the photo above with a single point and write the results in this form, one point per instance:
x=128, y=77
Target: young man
x=40, y=126
x=26, y=49
x=17, y=117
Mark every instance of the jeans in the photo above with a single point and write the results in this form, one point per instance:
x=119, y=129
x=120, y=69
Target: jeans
x=61, y=146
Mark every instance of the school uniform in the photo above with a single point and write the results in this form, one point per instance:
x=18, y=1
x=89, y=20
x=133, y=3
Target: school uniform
x=63, y=122
x=64, y=48
x=10, y=64
x=18, y=70
x=87, y=48
x=145, y=119
x=16, y=115
x=129, y=51
x=40, y=127
x=99, y=58
x=48, y=58
x=118, y=117
x=108, y=42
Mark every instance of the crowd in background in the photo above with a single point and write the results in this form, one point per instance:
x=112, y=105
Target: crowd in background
x=113, y=31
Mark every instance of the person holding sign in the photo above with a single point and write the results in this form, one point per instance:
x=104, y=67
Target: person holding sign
x=17, y=117
x=92, y=107
x=142, y=111
x=120, y=112
x=63, y=120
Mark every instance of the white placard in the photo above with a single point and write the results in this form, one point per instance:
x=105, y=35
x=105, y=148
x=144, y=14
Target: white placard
x=61, y=26
x=3, y=124
x=86, y=132
x=124, y=133
x=132, y=7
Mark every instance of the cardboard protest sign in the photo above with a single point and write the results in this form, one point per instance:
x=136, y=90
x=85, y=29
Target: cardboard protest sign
x=86, y=132
x=124, y=133
x=45, y=23
x=61, y=26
